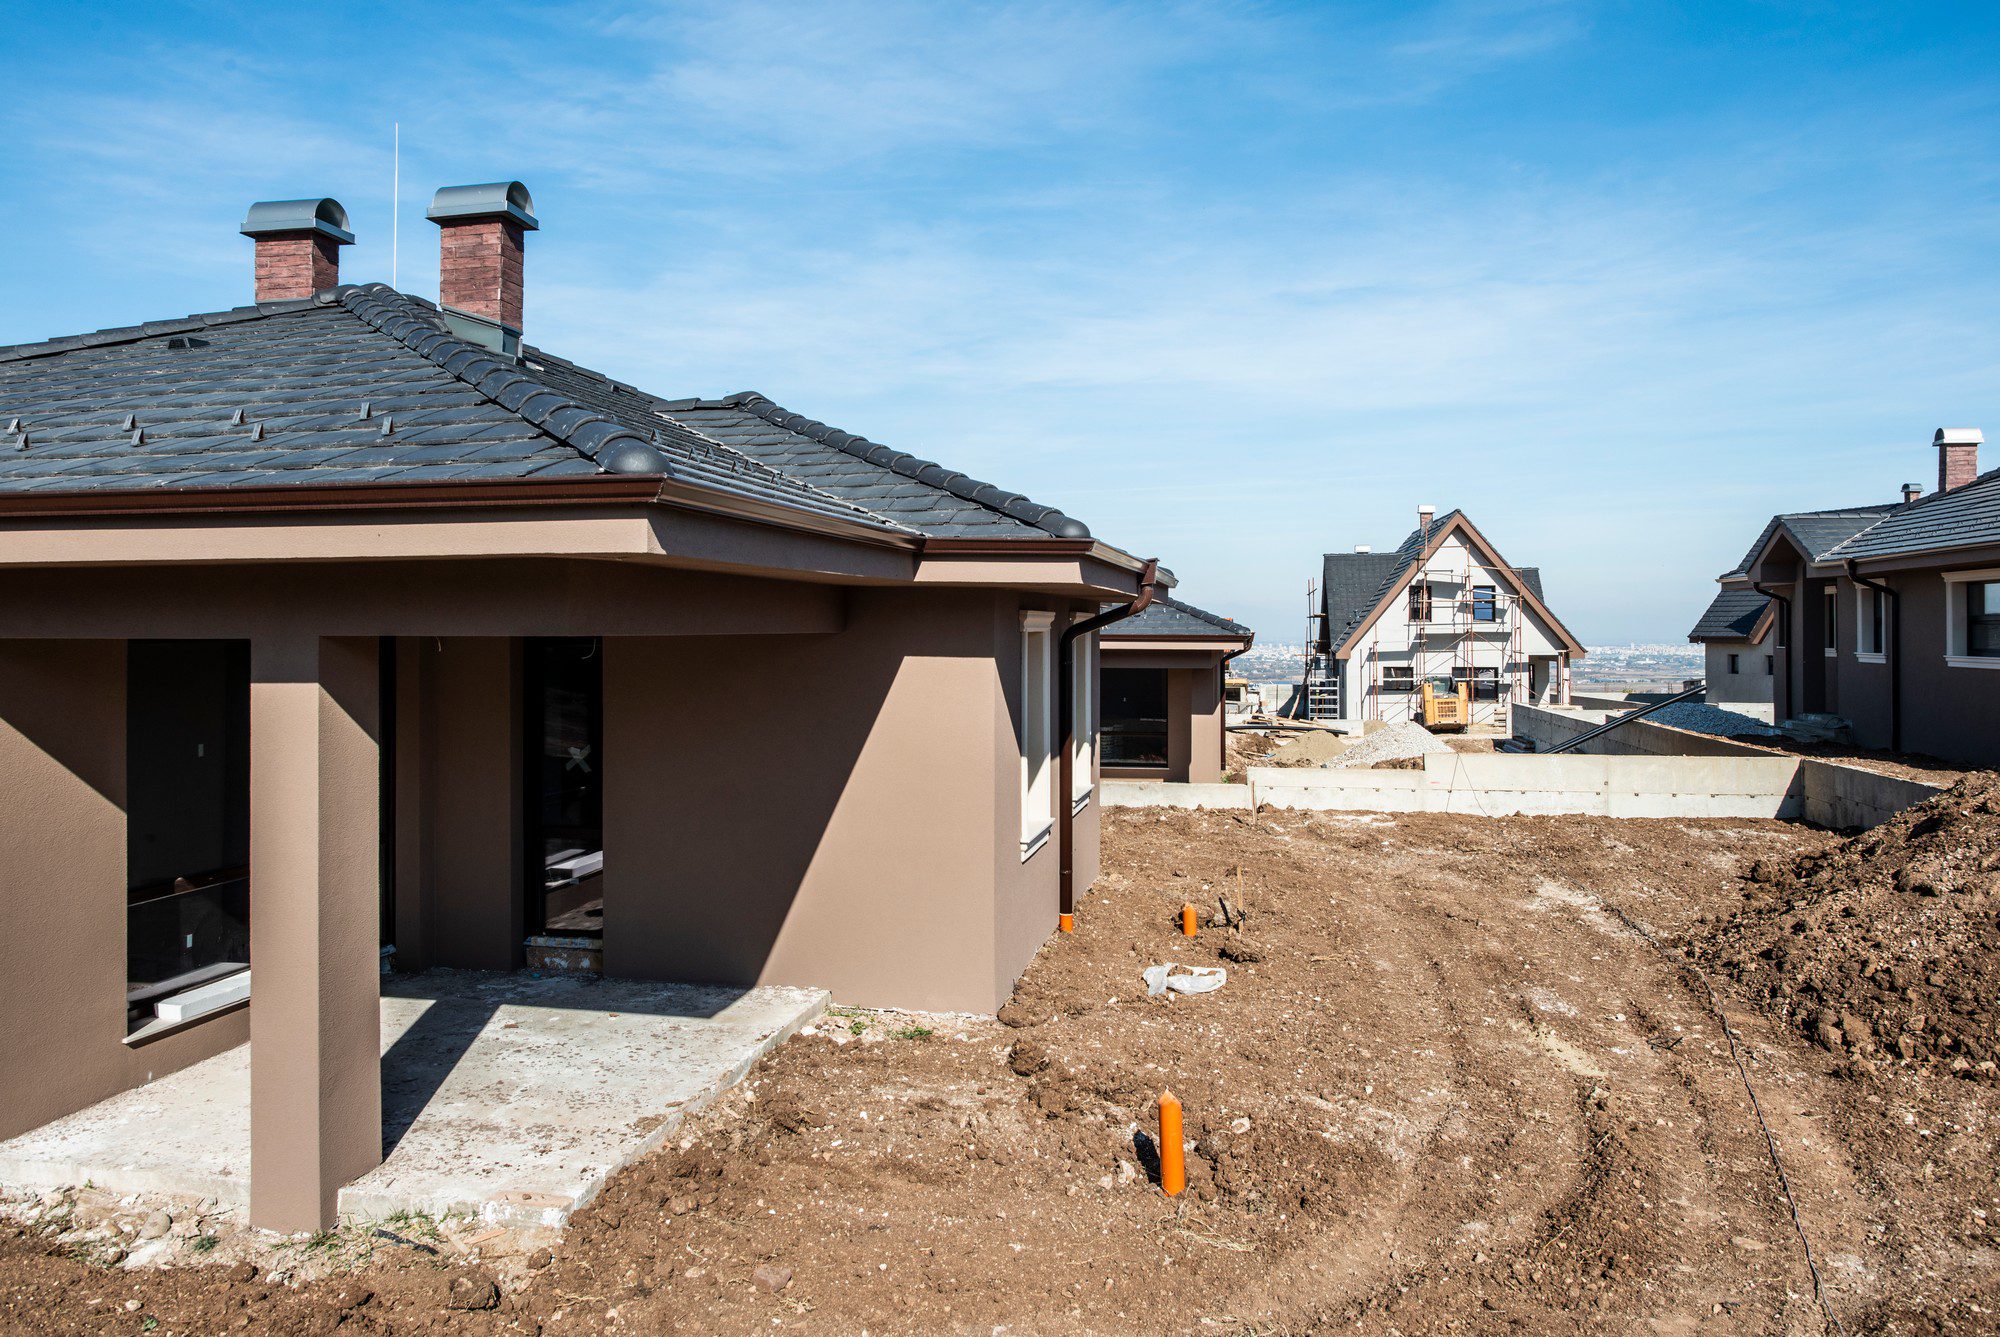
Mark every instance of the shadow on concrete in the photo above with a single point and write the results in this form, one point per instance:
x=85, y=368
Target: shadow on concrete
x=463, y=1003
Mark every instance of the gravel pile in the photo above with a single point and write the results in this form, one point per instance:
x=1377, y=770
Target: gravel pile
x=1698, y=717
x=1398, y=742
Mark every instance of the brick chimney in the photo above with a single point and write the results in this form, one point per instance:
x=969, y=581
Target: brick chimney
x=480, y=233
x=298, y=246
x=1911, y=492
x=1425, y=514
x=1958, y=456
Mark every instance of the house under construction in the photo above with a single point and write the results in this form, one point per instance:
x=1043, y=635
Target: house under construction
x=1444, y=609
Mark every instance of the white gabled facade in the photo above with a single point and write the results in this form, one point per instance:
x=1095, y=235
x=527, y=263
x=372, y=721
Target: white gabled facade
x=1461, y=614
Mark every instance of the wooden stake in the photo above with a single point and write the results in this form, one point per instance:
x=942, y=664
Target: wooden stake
x=1173, y=1160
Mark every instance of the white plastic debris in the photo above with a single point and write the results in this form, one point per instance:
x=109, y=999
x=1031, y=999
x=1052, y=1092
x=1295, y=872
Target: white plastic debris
x=1192, y=979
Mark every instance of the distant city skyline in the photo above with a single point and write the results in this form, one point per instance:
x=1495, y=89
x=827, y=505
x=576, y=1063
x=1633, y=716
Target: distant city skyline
x=1236, y=285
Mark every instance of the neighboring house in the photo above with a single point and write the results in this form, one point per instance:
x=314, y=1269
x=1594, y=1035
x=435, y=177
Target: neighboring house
x=1443, y=607
x=338, y=623
x=1735, y=637
x=1160, y=701
x=1889, y=616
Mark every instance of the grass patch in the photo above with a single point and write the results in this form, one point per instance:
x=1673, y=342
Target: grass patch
x=913, y=1033
x=203, y=1243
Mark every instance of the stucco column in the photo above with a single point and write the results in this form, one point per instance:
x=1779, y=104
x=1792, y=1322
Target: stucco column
x=315, y=1010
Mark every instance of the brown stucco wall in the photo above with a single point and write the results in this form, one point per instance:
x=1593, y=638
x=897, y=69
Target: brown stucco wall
x=62, y=851
x=473, y=781
x=838, y=810
x=1194, y=711
x=1948, y=712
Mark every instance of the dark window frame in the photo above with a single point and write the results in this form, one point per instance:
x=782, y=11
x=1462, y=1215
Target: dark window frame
x=1128, y=735
x=1398, y=679
x=1982, y=619
x=1734, y=666
x=1485, y=603
x=1485, y=681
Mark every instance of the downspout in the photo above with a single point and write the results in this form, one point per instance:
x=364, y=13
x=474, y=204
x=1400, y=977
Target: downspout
x=1784, y=631
x=1222, y=696
x=1066, y=733
x=1894, y=645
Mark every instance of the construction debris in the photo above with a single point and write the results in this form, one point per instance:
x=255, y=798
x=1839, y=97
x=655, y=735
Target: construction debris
x=1192, y=979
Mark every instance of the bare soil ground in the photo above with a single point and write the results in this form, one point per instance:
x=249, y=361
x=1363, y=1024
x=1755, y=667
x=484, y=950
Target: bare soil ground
x=1444, y=1090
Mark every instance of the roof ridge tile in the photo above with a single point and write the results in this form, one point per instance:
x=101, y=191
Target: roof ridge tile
x=1010, y=504
x=591, y=435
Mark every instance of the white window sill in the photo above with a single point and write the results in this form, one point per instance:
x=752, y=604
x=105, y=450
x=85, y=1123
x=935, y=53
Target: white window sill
x=1870, y=657
x=1081, y=802
x=1972, y=661
x=1830, y=652
x=1034, y=843
x=191, y=1005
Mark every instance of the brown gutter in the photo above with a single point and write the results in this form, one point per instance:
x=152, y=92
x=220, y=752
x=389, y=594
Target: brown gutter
x=1066, y=733
x=1784, y=641
x=285, y=499
x=1894, y=646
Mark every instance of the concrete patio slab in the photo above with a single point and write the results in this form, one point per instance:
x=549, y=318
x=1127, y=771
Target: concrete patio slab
x=507, y=1096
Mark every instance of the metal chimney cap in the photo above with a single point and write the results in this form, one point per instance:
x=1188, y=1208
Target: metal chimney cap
x=269, y=218
x=495, y=199
x=1958, y=436
x=1363, y=547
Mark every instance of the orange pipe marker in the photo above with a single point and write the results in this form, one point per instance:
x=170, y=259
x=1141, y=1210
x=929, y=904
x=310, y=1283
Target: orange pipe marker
x=1173, y=1159
x=1067, y=923
x=1187, y=920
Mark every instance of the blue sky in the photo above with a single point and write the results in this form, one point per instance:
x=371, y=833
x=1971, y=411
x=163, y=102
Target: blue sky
x=1235, y=283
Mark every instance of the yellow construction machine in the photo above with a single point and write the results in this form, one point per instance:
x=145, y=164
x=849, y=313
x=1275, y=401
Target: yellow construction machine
x=1448, y=708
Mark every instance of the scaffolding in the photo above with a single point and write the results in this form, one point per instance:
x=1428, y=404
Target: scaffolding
x=1455, y=628
x=1321, y=681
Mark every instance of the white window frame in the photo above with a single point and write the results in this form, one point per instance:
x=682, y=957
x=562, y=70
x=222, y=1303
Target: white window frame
x=1954, y=619
x=1083, y=722
x=1865, y=601
x=1038, y=709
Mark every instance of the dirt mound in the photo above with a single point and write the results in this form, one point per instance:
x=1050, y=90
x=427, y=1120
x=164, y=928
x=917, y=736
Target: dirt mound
x=1307, y=747
x=1886, y=945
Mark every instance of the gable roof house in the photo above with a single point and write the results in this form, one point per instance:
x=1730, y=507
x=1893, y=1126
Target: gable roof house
x=345, y=621
x=1887, y=617
x=1445, y=607
x=1160, y=698
x=1740, y=664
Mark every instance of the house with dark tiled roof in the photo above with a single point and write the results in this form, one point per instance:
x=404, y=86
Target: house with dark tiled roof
x=1887, y=616
x=347, y=627
x=1443, y=607
x=1160, y=692
x=1734, y=634
x=1735, y=630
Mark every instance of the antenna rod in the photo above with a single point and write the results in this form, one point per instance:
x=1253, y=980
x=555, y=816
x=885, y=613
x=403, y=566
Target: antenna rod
x=396, y=207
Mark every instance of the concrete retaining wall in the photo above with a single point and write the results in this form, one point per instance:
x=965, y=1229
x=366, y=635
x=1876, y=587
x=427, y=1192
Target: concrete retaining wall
x=1830, y=794
x=1545, y=727
x=1158, y=794
x=1839, y=796
x=1604, y=785
x=1503, y=785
